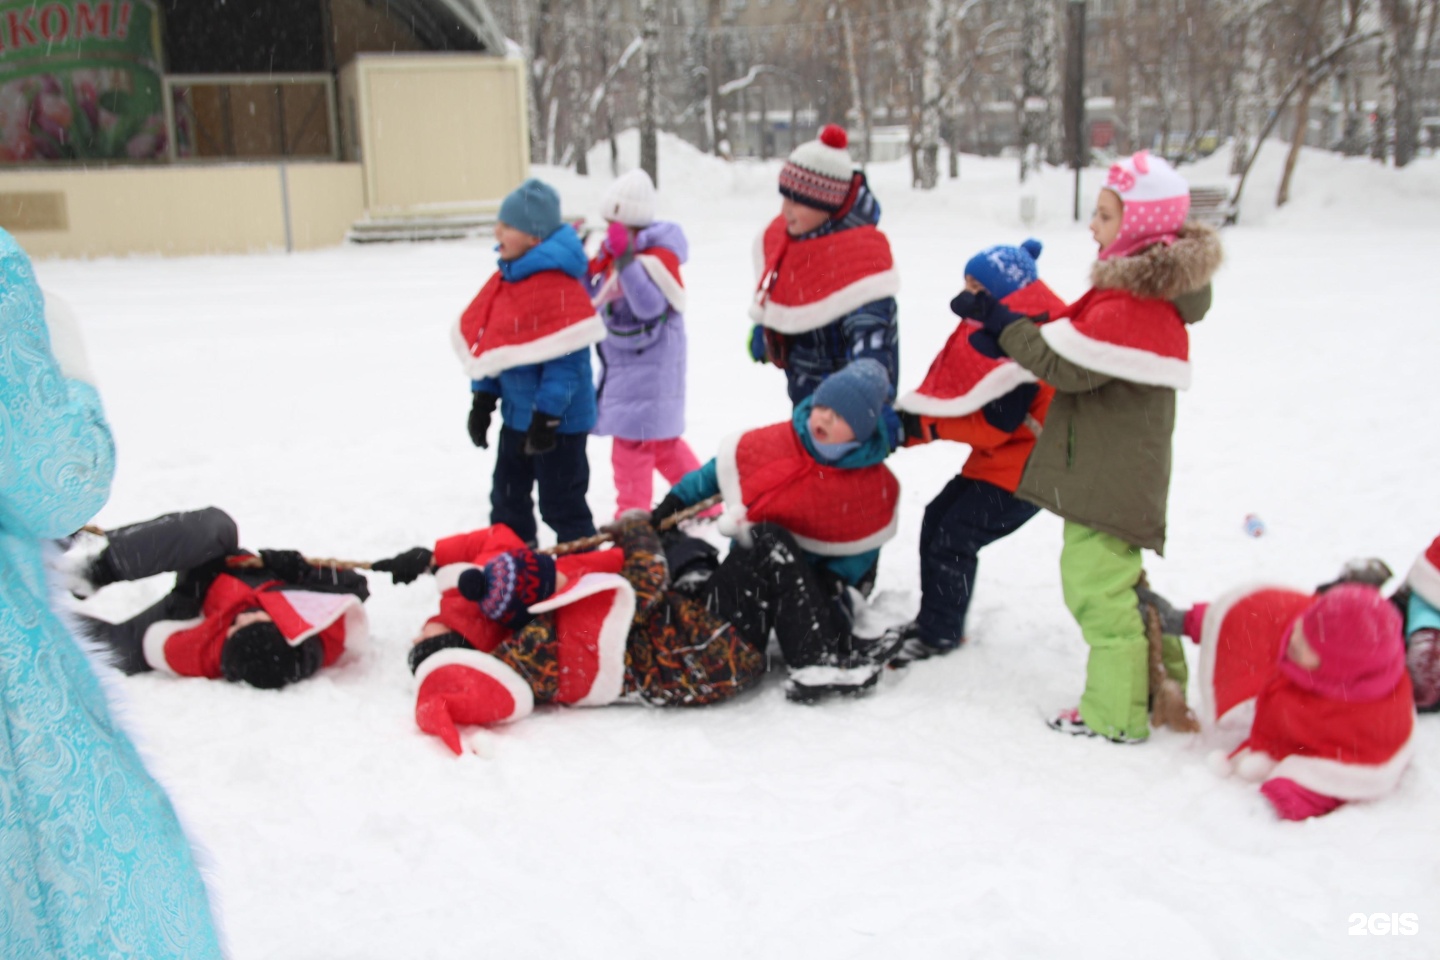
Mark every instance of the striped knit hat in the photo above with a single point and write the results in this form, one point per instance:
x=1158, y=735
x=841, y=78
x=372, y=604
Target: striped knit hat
x=819, y=173
x=509, y=585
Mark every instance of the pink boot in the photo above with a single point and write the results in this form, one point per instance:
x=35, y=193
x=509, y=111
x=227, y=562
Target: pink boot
x=1294, y=802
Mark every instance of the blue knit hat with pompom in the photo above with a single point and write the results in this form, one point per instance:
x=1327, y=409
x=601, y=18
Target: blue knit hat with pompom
x=1003, y=270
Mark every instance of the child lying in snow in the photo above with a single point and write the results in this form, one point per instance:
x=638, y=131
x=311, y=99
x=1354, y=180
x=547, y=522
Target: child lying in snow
x=267, y=626
x=1315, y=683
x=516, y=628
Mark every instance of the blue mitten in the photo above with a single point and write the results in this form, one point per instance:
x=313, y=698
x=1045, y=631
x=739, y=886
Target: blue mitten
x=757, y=344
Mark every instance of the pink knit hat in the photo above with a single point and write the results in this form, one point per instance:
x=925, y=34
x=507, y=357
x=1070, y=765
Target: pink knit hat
x=1357, y=634
x=1156, y=199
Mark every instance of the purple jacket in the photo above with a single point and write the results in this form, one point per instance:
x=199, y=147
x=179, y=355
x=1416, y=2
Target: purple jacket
x=642, y=360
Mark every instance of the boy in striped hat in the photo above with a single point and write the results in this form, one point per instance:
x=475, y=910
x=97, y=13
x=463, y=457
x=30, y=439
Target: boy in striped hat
x=826, y=287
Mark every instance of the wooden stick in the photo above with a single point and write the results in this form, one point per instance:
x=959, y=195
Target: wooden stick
x=560, y=549
x=670, y=522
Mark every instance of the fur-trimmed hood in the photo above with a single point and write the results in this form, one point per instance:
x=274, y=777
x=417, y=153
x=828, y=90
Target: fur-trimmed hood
x=1163, y=271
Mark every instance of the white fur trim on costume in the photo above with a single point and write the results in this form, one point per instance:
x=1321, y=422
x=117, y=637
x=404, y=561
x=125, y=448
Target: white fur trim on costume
x=1239, y=717
x=1347, y=781
x=492, y=667
x=154, y=643
x=320, y=610
x=1127, y=363
x=609, y=680
x=448, y=576
x=576, y=336
x=1424, y=579
x=732, y=521
x=664, y=280
x=735, y=521
x=872, y=542
x=994, y=385
x=805, y=317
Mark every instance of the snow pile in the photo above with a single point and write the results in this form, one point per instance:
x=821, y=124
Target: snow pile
x=315, y=397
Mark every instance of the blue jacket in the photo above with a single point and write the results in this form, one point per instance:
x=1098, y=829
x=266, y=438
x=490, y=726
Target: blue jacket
x=563, y=387
x=84, y=824
x=703, y=483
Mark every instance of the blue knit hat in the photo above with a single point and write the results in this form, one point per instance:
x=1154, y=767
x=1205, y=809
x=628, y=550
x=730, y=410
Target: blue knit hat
x=533, y=208
x=857, y=394
x=1003, y=270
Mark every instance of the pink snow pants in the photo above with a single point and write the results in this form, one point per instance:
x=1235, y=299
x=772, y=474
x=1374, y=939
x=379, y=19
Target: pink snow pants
x=635, y=463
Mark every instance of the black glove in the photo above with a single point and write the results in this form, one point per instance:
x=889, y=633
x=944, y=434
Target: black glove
x=540, y=438
x=482, y=406
x=993, y=314
x=406, y=567
x=668, y=507
x=288, y=565
x=914, y=428
x=986, y=345
x=894, y=429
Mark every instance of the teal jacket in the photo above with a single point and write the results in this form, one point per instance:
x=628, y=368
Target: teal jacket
x=703, y=483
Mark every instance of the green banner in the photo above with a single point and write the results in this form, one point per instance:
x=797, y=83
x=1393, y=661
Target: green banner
x=80, y=80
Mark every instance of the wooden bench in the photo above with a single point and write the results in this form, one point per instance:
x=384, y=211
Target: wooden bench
x=1211, y=206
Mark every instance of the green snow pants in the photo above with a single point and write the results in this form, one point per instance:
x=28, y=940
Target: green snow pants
x=1098, y=573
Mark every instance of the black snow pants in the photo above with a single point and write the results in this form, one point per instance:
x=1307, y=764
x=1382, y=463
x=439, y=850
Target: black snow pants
x=770, y=586
x=193, y=544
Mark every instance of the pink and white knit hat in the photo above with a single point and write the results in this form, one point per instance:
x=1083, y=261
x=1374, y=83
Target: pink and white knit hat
x=819, y=173
x=1156, y=199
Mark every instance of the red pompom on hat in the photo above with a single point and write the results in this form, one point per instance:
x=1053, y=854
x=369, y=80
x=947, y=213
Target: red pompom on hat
x=819, y=173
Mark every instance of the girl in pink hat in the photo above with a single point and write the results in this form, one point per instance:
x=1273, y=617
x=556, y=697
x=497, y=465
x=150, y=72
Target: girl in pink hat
x=1115, y=357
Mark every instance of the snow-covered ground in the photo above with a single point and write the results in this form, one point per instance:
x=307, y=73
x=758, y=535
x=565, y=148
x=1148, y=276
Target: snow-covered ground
x=315, y=397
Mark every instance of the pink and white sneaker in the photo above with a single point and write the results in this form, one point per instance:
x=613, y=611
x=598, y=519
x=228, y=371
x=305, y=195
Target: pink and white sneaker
x=1069, y=721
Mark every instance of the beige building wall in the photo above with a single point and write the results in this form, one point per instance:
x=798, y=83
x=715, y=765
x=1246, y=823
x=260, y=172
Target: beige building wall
x=180, y=209
x=437, y=133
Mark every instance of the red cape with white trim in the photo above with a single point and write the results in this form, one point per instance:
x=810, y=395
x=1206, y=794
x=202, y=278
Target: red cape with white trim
x=767, y=476
x=1114, y=332
x=803, y=285
x=191, y=648
x=540, y=318
x=961, y=379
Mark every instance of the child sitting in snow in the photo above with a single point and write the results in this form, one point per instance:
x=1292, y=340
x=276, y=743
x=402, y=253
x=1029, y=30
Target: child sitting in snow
x=827, y=282
x=516, y=628
x=1314, y=683
x=636, y=287
x=974, y=394
x=812, y=489
x=268, y=625
x=1115, y=358
x=524, y=342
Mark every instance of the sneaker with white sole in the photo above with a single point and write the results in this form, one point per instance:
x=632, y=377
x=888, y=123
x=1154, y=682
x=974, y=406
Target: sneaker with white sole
x=1069, y=721
x=913, y=647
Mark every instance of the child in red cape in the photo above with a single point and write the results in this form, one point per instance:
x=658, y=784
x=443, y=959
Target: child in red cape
x=974, y=394
x=268, y=626
x=516, y=629
x=1315, y=684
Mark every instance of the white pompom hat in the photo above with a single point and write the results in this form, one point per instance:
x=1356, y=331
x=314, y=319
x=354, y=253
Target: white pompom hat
x=630, y=200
